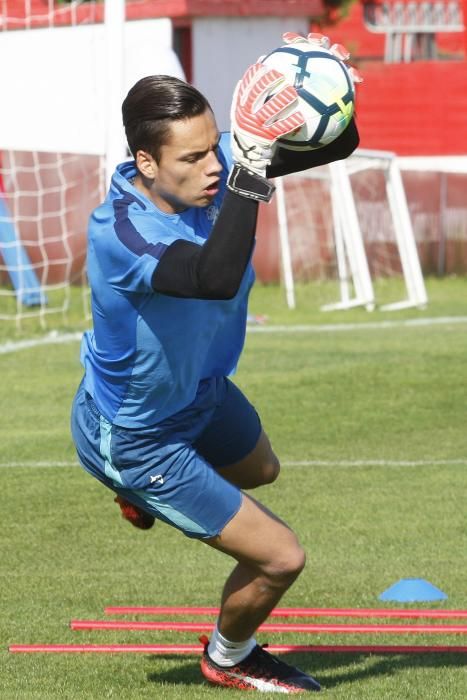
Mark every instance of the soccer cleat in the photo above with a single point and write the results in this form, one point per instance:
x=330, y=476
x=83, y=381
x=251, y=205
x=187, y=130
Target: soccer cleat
x=259, y=671
x=137, y=517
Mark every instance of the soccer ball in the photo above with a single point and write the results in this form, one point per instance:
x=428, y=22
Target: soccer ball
x=325, y=90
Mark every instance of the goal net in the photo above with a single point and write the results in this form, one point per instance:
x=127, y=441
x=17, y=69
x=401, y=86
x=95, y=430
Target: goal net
x=51, y=174
x=347, y=226
x=65, y=68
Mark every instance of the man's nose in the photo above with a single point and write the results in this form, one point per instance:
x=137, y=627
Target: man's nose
x=213, y=165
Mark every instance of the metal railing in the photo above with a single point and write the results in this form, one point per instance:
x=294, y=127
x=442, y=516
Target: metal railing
x=411, y=27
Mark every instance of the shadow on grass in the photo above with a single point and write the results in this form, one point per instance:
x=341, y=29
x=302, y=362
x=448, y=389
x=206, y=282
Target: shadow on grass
x=337, y=669
x=330, y=670
x=186, y=672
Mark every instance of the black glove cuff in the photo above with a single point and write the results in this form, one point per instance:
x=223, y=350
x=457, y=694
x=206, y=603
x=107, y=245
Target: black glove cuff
x=248, y=184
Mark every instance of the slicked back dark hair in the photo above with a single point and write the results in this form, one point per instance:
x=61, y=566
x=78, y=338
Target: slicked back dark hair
x=150, y=107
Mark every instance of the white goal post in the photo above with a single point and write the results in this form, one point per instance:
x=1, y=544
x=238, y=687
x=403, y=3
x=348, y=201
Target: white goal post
x=388, y=226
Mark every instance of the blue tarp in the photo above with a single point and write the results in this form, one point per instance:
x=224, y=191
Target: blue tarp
x=17, y=262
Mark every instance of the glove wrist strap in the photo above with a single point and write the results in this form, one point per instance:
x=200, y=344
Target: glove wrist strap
x=248, y=184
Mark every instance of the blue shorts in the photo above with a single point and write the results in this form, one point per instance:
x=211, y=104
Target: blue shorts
x=170, y=469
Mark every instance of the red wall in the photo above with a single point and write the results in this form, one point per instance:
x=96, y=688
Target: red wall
x=414, y=109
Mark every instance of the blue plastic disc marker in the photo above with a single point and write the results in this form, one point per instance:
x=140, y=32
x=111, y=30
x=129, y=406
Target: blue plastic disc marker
x=412, y=590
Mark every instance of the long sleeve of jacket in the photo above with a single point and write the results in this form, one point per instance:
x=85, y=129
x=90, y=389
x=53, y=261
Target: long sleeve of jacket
x=215, y=269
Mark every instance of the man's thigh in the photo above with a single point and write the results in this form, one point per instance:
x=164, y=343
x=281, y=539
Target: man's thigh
x=257, y=536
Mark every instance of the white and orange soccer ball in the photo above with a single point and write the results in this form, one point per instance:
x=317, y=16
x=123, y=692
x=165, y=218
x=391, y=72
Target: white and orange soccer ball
x=325, y=87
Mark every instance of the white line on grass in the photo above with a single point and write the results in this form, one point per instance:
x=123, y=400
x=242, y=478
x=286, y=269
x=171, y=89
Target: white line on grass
x=55, y=338
x=49, y=339
x=376, y=463
x=40, y=464
x=371, y=325
x=301, y=463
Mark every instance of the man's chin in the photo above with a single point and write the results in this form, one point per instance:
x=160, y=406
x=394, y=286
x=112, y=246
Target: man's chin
x=199, y=202
x=203, y=201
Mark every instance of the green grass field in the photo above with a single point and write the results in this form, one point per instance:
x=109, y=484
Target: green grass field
x=370, y=424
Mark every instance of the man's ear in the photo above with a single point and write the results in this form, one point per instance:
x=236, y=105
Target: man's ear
x=146, y=165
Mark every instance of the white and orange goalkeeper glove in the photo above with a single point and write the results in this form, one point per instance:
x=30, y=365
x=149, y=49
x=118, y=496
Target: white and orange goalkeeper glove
x=262, y=112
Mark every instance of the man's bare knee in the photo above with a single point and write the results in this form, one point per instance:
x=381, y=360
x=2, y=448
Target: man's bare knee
x=266, y=473
x=262, y=542
x=257, y=469
x=282, y=570
x=271, y=470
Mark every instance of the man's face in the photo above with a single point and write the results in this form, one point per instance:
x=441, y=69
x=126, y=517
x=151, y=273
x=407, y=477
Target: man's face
x=187, y=174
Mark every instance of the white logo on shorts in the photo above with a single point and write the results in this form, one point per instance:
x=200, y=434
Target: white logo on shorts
x=157, y=478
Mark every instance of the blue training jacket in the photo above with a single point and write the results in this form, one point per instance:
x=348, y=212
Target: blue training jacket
x=148, y=352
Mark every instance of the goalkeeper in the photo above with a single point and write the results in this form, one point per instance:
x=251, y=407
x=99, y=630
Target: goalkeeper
x=156, y=418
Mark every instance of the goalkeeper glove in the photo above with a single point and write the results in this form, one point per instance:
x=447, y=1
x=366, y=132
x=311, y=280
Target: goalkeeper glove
x=262, y=111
